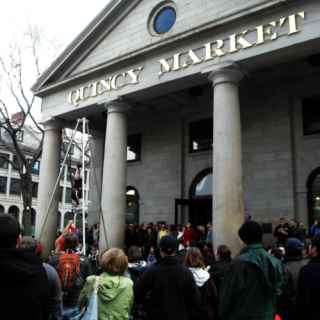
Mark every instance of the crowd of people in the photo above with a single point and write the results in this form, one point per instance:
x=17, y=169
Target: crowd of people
x=163, y=272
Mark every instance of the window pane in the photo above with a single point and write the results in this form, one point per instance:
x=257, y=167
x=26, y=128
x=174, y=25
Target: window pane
x=165, y=20
x=36, y=168
x=34, y=189
x=200, y=135
x=3, y=161
x=3, y=184
x=15, y=186
x=311, y=115
x=204, y=187
x=61, y=194
x=68, y=195
x=134, y=147
x=15, y=161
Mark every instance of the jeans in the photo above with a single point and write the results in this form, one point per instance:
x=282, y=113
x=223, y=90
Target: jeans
x=71, y=313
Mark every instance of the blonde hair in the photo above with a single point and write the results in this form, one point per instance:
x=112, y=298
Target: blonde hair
x=194, y=258
x=114, y=261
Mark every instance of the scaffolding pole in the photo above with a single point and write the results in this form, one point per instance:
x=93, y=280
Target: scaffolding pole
x=83, y=187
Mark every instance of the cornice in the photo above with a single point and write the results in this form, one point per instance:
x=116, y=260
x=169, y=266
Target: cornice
x=41, y=91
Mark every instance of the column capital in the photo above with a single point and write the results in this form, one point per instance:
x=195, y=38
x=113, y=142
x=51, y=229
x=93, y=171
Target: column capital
x=224, y=73
x=52, y=124
x=117, y=106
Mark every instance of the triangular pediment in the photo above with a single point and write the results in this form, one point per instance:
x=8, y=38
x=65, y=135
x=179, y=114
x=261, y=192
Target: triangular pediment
x=123, y=30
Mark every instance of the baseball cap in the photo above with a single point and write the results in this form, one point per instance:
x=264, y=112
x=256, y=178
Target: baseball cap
x=168, y=244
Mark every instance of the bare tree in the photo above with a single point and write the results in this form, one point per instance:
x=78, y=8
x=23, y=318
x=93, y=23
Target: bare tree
x=15, y=69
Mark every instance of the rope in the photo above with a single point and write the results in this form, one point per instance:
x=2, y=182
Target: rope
x=58, y=179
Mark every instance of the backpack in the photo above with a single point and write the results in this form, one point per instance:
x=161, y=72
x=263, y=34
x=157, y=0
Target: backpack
x=68, y=271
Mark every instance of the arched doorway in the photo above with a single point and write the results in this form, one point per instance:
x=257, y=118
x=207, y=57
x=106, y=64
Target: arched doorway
x=132, y=210
x=14, y=211
x=2, y=210
x=200, y=194
x=313, y=195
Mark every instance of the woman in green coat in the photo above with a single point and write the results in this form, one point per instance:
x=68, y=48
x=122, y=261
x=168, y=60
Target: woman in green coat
x=115, y=291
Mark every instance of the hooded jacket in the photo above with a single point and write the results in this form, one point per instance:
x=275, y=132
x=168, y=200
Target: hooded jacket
x=24, y=288
x=115, y=296
x=251, y=286
x=209, y=298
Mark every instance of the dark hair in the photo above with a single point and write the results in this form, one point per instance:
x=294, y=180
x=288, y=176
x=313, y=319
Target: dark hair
x=194, y=258
x=9, y=231
x=134, y=253
x=224, y=253
x=70, y=241
x=251, y=232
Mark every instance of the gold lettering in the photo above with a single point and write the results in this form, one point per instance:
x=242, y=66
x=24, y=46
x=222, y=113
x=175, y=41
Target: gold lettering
x=282, y=21
x=293, y=23
x=165, y=67
x=105, y=84
x=238, y=39
x=81, y=93
x=94, y=89
x=268, y=30
x=114, y=84
x=74, y=97
x=134, y=74
x=192, y=59
x=217, y=51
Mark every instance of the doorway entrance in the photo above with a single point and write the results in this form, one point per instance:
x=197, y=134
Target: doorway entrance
x=199, y=205
x=132, y=210
x=313, y=187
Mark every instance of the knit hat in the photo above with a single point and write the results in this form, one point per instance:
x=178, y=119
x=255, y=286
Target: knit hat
x=251, y=232
x=168, y=244
x=9, y=231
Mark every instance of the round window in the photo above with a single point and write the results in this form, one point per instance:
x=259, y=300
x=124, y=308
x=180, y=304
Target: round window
x=164, y=20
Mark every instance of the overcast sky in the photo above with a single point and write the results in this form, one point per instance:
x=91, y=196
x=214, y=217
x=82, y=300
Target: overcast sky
x=59, y=22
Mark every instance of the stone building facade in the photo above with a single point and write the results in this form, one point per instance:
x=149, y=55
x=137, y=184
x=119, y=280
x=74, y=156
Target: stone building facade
x=159, y=71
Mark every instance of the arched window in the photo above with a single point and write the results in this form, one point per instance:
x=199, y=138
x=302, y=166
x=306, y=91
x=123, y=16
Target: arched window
x=2, y=210
x=200, y=194
x=132, y=211
x=14, y=211
x=202, y=185
x=313, y=186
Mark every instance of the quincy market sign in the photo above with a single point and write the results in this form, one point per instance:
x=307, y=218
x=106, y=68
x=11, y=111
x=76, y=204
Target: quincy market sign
x=285, y=26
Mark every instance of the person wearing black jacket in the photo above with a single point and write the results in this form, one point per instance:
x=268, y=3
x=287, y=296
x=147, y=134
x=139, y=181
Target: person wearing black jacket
x=170, y=287
x=309, y=285
x=24, y=287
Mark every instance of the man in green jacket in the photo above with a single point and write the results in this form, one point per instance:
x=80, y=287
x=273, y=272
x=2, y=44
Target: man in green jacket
x=253, y=281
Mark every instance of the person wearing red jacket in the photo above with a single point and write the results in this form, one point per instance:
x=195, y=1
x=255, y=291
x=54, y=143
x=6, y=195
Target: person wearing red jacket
x=187, y=236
